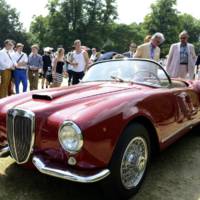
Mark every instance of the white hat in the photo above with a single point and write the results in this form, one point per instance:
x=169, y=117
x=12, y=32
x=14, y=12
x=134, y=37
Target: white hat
x=48, y=49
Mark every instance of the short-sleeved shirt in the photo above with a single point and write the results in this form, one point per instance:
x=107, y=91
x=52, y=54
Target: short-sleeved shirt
x=79, y=58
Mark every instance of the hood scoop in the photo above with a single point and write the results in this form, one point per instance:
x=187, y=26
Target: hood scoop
x=52, y=94
x=42, y=97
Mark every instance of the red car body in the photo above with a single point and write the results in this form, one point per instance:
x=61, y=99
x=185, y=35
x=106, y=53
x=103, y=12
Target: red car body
x=103, y=110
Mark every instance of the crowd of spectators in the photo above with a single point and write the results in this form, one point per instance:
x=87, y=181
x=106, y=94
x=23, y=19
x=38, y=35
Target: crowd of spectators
x=16, y=67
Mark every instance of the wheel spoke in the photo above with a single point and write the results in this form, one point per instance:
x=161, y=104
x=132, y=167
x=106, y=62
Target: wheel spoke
x=134, y=162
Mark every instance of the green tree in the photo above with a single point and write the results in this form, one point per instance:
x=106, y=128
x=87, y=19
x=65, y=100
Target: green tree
x=192, y=26
x=39, y=26
x=10, y=25
x=163, y=18
x=88, y=20
x=121, y=35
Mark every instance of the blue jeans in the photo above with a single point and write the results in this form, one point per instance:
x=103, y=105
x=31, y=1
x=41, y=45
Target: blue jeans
x=20, y=75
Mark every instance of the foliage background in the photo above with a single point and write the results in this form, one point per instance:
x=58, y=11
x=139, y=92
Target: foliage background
x=94, y=23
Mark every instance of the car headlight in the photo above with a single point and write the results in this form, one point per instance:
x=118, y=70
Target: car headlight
x=70, y=137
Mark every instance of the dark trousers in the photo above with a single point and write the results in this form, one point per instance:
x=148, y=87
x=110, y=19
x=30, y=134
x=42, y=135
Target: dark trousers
x=20, y=75
x=76, y=77
x=70, y=76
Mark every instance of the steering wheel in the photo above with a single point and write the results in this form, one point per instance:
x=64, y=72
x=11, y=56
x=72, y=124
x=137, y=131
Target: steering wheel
x=148, y=75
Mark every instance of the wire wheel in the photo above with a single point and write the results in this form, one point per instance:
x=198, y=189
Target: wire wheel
x=134, y=162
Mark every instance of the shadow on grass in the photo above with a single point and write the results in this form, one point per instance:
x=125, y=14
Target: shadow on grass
x=24, y=184
x=173, y=175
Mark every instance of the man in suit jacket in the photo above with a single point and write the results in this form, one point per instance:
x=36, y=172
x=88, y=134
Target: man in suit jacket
x=150, y=50
x=131, y=52
x=181, y=58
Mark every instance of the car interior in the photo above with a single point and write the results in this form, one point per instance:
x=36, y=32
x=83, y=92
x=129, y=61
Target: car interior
x=178, y=84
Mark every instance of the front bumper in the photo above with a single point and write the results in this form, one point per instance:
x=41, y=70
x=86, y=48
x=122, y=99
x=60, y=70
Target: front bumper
x=75, y=176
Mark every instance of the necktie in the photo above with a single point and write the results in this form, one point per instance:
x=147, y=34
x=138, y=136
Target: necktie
x=152, y=52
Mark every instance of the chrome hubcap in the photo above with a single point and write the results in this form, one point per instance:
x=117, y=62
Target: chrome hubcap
x=134, y=162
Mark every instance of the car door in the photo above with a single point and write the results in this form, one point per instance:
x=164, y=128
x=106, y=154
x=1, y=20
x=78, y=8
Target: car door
x=161, y=104
x=177, y=109
x=187, y=101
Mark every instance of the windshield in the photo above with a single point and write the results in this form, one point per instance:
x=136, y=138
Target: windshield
x=137, y=71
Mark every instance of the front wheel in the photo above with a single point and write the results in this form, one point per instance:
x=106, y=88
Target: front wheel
x=129, y=163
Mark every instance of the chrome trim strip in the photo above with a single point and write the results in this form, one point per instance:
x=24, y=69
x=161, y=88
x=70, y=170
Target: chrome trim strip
x=4, y=152
x=67, y=175
x=23, y=113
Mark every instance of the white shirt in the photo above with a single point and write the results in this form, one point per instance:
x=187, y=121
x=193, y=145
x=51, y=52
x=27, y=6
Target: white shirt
x=6, y=62
x=93, y=57
x=70, y=67
x=24, y=58
x=80, y=59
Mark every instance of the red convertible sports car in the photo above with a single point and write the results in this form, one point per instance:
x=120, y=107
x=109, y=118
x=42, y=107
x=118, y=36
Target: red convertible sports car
x=105, y=129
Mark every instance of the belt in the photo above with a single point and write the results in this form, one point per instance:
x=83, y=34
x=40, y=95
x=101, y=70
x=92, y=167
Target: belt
x=183, y=63
x=19, y=69
x=33, y=70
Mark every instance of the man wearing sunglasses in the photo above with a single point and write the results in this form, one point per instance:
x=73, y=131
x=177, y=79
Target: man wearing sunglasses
x=181, y=58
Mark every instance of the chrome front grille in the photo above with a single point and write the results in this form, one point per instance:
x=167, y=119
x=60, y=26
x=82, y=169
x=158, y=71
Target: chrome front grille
x=20, y=133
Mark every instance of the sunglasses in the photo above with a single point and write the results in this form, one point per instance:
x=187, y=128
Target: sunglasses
x=183, y=38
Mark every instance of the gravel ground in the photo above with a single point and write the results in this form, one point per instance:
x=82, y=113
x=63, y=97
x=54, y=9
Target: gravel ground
x=173, y=175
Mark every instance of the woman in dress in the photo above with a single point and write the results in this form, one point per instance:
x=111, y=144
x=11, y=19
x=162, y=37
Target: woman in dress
x=57, y=68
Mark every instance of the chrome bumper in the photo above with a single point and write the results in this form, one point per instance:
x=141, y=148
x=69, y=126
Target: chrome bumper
x=4, y=152
x=68, y=175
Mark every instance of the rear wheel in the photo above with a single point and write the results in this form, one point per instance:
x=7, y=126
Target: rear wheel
x=129, y=163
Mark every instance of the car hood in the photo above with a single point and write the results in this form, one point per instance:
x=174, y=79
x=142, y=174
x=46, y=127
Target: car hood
x=78, y=92
x=58, y=104
x=87, y=102
x=66, y=96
